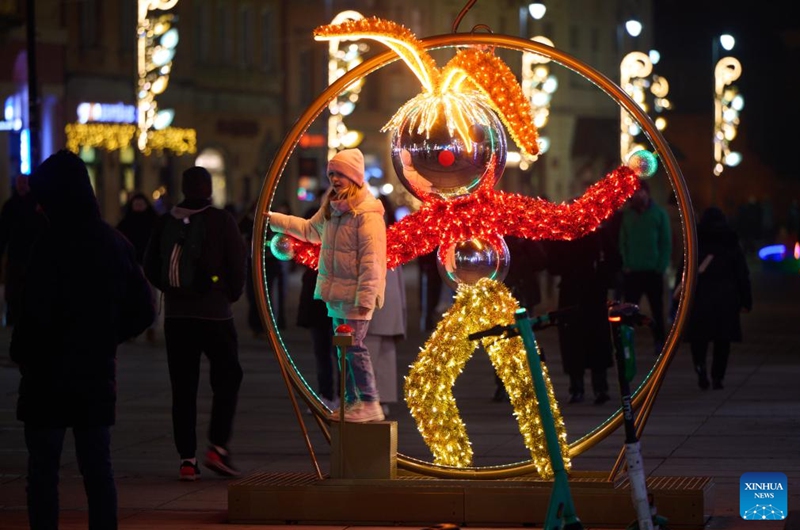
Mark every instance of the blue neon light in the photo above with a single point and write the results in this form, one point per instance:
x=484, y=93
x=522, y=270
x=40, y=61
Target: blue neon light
x=25, y=152
x=772, y=253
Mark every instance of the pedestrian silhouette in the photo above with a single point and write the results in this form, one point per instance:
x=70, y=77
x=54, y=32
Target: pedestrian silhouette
x=246, y=227
x=277, y=273
x=527, y=260
x=84, y=294
x=198, y=318
x=429, y=290
x=583, y=333
x=722, y=293
x=645, y=244
x=312, y=314
x=388, y=326
x=136, y=224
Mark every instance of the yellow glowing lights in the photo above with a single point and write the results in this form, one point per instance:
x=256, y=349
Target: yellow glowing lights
x=179, y=141
x=472, y=73
x=108, y=136
x=430, y=381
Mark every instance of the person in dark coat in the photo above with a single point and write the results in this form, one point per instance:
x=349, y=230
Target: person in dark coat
x=84, y=294
x=722, y=293
x=312, y=315
x=527, y=260
x=583, y=332
x=137, y=223
x=20, y=225
x=197, y=322
x=246, y=227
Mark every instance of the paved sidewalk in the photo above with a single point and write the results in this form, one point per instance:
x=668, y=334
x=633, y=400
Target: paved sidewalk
x=751, y=425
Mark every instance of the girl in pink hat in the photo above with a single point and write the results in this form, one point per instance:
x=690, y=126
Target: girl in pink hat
x=351, y=232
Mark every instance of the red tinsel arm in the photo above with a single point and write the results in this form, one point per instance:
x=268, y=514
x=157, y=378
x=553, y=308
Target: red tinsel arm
x=487, y=212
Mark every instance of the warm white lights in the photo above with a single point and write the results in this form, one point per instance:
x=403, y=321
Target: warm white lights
x=727, y=42
x=157, y=38
x=537, y=10
x=538, y=85
x=728, y=103
x=633, y=27
x=340, y=60
x=644, y=87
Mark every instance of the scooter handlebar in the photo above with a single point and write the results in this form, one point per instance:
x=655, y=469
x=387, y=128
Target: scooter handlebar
x=546, y=320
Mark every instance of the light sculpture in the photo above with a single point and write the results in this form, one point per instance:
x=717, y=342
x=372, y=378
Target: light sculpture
x=449, y=150
x=453, y=214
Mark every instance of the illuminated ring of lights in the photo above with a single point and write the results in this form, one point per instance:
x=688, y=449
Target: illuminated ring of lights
x=645, y=394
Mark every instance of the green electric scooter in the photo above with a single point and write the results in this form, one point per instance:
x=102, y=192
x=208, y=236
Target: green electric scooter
x=561, y=509
x=622, y=318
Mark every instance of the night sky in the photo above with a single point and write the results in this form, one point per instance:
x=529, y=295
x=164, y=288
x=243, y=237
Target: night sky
x=767, y=44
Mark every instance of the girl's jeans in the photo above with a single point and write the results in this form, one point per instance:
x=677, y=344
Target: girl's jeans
x=360, y=380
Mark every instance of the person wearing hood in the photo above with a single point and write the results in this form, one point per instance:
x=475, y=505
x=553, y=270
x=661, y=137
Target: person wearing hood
x=84, y=294
x=351, y=232
x=723, y=292
x=137, y=223
x=199, y=320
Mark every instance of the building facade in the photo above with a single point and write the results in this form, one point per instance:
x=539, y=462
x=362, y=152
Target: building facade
x=244, y=71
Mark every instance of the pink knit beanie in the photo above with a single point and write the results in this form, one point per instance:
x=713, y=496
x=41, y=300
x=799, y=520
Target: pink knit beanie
x=350, y=163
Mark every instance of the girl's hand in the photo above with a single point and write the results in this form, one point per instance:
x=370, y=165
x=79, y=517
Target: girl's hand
x=362, y=310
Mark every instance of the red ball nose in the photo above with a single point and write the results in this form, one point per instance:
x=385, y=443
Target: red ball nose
x=446, y=158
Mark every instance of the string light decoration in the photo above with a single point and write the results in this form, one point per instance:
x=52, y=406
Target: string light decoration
x=488, y=212
x=178, y=140
x=430, y=380
x=157, y=39
x=340, y=60
x=637, y=79
x=727, y=104
x=108, y=136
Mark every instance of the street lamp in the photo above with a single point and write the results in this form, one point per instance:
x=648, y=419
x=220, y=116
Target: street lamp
x=538, y=85
x=157, y=39
x=645, y=88
x=728, y=102
x=537, y=10
x=340, y=60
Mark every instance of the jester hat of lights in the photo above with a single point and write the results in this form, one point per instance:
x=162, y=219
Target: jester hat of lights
x=453, y=116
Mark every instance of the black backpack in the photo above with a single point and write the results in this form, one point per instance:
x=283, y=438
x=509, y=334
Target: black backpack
x=183, y=266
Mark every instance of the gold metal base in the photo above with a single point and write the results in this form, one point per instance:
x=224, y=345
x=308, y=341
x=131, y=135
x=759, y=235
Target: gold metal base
x=299, y=498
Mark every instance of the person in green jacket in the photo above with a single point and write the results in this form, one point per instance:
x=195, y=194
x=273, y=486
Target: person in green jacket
x=645, y=245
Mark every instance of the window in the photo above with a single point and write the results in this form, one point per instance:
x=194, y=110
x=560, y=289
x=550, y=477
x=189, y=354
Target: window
x=225, y=41
x=127, y=22
x=245, y=37
x=202, y=32
x=268, y=33
x=89, y=23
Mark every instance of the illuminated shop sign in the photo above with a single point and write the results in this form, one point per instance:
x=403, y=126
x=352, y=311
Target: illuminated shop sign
x=106, y=113
x=12, y=120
